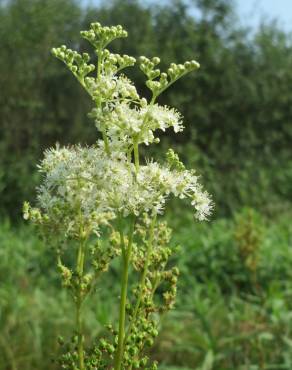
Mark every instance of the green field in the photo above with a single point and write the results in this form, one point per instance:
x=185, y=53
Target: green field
x=232, y=312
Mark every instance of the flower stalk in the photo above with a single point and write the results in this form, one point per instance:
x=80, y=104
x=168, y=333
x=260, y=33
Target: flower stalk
x=136, y=155
x=126, y=256
x=78, y=298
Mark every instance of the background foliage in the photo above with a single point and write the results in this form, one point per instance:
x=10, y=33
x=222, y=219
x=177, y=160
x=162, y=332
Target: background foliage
x=235, y=294
x=237, y=107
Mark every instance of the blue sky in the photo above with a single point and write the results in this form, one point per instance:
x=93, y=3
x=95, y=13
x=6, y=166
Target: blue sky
x=251, y=12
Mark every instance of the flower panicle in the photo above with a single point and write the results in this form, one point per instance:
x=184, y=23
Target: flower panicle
x=105, y=202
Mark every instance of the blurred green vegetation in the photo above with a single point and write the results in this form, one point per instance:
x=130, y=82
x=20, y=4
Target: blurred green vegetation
x=237, y=107
x=234, y=306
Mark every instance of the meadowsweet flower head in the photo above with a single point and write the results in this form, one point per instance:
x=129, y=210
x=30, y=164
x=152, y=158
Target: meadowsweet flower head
x=100, y=183
x=163, y=117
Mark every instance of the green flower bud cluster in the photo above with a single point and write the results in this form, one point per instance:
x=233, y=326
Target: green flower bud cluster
x=30, y=213
x=162, y=251
x=142, y=335
x=166, y=280
x=173, y=160
x=100, y=354
x=66, y=275
x=68, y=360
x=77, y=63
x=112, y=63
x=102, y=255
x=104, y=346
x=78, y=285
x=147, y=66
x=174, y=72
x=44, y=223
x=100, y=36
x=97, y=357
x=162, y=231
x=169, y=295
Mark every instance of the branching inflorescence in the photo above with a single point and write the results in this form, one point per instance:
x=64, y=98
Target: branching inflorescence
x=103, y=203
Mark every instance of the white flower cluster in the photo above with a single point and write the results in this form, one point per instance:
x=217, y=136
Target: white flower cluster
x=86, y=184
x=110, y=87
x=89, y=187
x=162, y=181
x=127, y=123
x=68, y=198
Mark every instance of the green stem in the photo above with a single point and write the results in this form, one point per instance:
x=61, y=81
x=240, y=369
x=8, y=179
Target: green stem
x=126, y=256
x=136, y=154
x=99, y=62
x=153, y=99
x=79, y=333
x=79, y=299
x=170, y=83
x=144, y=274
x=106, y=143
